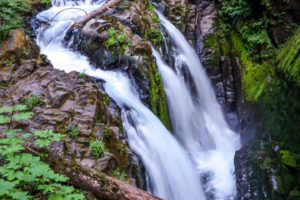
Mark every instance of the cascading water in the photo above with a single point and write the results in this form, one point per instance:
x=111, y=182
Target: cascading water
x=172, y=174
x=197, y=118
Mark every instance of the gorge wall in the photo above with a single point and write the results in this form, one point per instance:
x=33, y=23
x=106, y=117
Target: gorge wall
x=250, y=50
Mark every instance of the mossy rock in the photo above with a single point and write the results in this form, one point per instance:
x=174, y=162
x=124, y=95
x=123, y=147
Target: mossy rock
x=294, y=195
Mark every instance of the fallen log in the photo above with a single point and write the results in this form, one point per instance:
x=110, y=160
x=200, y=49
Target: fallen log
x=109, y=4
x=89, y=179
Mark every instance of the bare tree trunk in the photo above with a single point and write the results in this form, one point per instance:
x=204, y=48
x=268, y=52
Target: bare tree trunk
x=109, y=4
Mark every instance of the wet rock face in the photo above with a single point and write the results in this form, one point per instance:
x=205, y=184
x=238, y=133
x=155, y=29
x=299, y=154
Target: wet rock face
x=280, y=31
x=132, y=55
x=91, y=41
x=66, y=102
x=264, y=171
x=214, y=53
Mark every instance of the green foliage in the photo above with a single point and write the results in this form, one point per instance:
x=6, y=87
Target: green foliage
x=181, y=8
x=155, y=35
x=18, y=116
x=45, y=137
x=75, y=130
x=150, y=6
x=24, y=176
x=46, y=1
x=121, y=38
x=120, y=175
x=97, y=148
x=155, y=18
x=157, y=95
x=106, y=99
x=111, y=32
x=35, y=100
x=11, y=16
x=82, y=74
x=3, y=84
x=106, y=131
x=289, y=158
x=7, y=62
x=238, y=16
x=145, y=17
x=123, y=150
x=289, y=60
x=26, y=51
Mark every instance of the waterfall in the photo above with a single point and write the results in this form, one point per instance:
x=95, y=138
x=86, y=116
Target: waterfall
x=197, y=118
x=170, y=169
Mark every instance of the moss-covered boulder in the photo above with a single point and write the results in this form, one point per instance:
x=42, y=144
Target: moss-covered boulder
x=111, y=45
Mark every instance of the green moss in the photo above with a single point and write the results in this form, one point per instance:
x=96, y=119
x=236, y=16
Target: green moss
x=254, y=75
x=294, y=195
x=288, y=158
x=211, y=42
x=157, y=95
x=289, y=60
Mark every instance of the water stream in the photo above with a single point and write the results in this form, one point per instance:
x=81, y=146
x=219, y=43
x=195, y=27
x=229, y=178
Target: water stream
x=197, y=118
x=172, y=173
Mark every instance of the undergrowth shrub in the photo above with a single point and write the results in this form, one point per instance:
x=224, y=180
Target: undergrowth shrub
x=24, y=176
x=97, y=148
x=11, y=16
x=34, y=100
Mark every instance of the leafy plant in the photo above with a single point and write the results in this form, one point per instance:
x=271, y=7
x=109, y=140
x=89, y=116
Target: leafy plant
x=111, y=31
x=46, y=1
x=106, y=131
x=75, y=130
x=26, y=51
x=121, y=38
x=11, y=16
x=82, y=74
x=123, y=150
x=155, y=35
x=97, y=148
x=150, y=6
x=24, y=176
x=120, y=175
x=7, y=62
x=3, y=84
x=106, y=99
x=35, y=100
x=155, y=18
x=45, y=137
x=145, y=18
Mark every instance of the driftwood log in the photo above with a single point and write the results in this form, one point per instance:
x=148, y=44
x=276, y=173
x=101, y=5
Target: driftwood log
x=109, y=4
x=89, y=179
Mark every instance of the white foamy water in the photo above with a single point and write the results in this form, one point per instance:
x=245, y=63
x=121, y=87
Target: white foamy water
x=197, y=118
x=170, y=169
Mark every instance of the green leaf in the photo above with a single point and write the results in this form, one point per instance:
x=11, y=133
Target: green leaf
x=42, y=142
x=6, y=186
x=6, y=109
x=55, y=197
x=58, y=136
x=23, y=115
x=19, y=107
x=26, y=135
x=4, y=119
x=21, y=195
x=75, y=197
x=11, y=174
x=12, y=149
x=46, y=188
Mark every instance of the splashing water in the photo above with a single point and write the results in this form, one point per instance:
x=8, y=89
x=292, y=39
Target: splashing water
x=172, y=173
x=197, y=118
